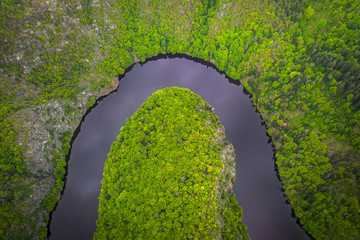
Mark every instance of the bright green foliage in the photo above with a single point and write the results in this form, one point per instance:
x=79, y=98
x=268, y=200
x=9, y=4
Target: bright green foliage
x=13, y=170
x=298, y=59
x=162, y=177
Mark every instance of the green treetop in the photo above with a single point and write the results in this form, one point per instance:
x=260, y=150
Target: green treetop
x=163, y=178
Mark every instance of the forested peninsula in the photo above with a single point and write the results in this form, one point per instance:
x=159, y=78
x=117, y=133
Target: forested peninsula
x=298, y=59
x=169, y=175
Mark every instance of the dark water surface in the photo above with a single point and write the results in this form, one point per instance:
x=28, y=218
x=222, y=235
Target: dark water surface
x=257, y=188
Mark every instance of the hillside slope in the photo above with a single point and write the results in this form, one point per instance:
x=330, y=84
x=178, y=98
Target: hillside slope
x=169, y=174
x=298, y=59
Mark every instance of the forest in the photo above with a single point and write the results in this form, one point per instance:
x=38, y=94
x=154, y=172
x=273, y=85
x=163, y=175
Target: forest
x=165, y=177
x=298, y=59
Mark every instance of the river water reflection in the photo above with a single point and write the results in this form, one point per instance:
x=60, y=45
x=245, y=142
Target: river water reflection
x=257, y=188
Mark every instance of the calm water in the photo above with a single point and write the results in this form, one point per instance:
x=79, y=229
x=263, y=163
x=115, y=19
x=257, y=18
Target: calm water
x=257, y=189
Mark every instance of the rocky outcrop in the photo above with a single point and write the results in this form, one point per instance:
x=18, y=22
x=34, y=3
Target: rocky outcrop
x=48, y=129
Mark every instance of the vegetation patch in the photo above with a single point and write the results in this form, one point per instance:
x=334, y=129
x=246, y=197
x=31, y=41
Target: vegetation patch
x=169, y=174
x=300, y=60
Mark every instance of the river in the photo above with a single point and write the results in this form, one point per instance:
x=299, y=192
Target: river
x=257, y=188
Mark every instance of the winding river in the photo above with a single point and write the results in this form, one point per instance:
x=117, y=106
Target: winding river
x=257, y=188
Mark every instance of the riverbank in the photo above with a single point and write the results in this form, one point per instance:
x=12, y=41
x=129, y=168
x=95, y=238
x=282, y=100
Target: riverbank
x=55, y=51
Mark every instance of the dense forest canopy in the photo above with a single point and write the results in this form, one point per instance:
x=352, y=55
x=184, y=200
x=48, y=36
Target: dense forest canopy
x=298, y=59
x=169, y=174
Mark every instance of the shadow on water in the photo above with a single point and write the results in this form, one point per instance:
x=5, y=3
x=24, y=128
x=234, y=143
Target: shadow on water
x=252, y=198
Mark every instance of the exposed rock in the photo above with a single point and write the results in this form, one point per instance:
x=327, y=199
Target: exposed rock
x=46, y=125
x=40, y=189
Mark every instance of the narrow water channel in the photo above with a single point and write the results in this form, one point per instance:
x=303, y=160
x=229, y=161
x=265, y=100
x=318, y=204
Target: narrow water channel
x=257, y=188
